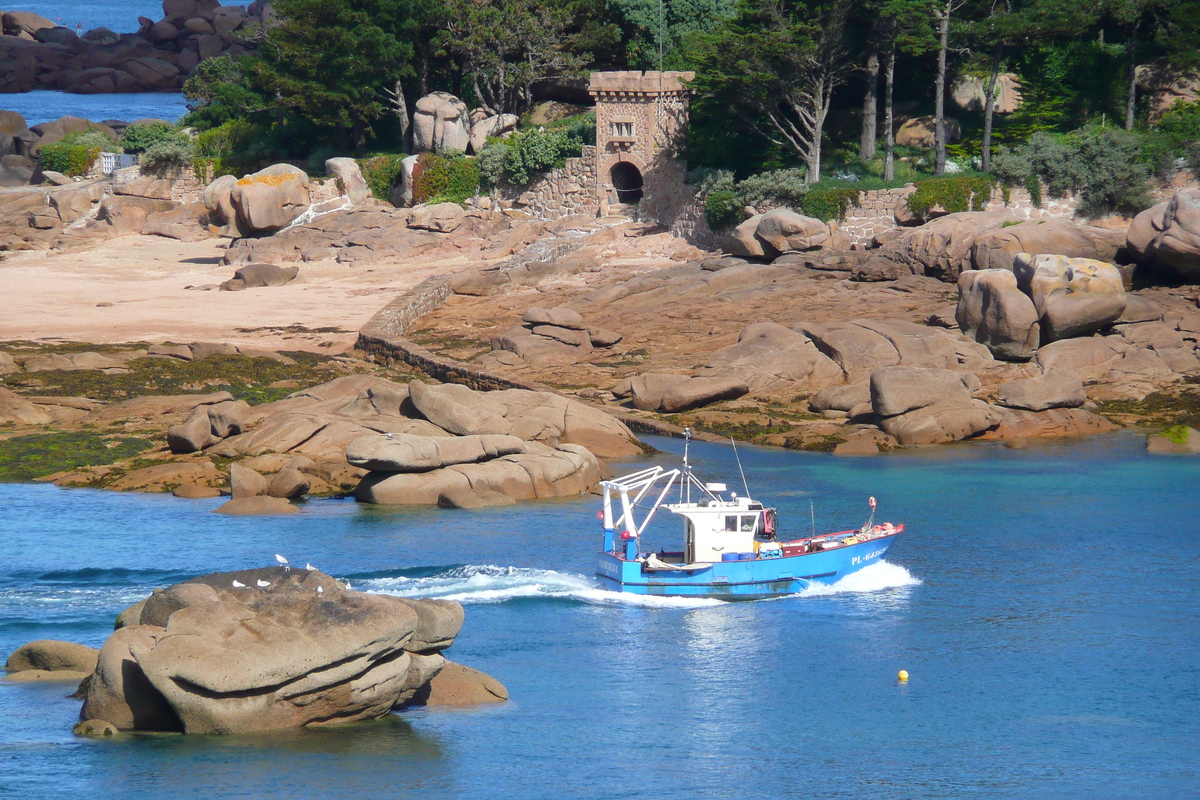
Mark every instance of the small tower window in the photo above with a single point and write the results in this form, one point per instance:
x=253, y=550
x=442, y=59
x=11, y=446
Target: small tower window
x=623, y=129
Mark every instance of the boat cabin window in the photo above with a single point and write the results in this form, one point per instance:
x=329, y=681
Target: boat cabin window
x=743, y=523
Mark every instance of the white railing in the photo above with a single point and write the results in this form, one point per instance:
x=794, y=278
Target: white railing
x=111, y=162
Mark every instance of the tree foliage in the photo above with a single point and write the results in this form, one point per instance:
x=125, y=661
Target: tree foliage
x=328, y=60
x=780, y=60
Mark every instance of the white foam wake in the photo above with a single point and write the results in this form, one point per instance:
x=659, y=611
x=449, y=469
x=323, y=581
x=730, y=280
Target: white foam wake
x=494, y=584
x=488, y=583
x=873, y=578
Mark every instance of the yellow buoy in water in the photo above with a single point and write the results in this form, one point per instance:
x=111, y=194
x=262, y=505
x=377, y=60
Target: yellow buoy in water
x=902, y=675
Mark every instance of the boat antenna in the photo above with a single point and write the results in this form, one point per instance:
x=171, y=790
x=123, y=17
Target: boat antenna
x=739, y=463
x=812, y=513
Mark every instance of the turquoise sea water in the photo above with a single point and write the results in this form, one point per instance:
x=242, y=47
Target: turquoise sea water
x=1044, y=602
x=43, y=105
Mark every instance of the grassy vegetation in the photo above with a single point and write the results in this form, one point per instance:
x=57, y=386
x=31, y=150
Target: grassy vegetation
x=25, y=458
x=1165, y=408
x=244, y=377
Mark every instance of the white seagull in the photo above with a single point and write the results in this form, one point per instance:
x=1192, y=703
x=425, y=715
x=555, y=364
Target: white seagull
x=347, y=584
x=263, y=584
x=238, y=585
x=283, y=561
x=309, y=567
x=320, y=590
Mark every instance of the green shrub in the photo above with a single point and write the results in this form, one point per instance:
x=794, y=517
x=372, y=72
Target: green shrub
x=234, y=136
x=139, y=138
x=450, y=177
x=1173, y=137
x=780, y=187
x=380, y=173
x=581, y=127
x=1191, y=155
x=1102, y=165
x=721, y=209
x=518, y=159
x=93, y=138
x=208, y=170
x=167, y=157
x=831, y=203
x=954, y=193
x=68, y=158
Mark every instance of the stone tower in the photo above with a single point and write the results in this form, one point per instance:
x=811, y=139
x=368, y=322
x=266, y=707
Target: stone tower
x=641, y=127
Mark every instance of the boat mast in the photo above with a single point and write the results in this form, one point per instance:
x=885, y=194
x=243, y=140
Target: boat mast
x=687, y=467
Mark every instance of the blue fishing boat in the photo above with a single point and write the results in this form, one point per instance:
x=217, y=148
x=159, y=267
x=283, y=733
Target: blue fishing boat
x=730, y=548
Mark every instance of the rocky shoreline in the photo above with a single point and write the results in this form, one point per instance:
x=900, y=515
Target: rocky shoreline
x=566, y=335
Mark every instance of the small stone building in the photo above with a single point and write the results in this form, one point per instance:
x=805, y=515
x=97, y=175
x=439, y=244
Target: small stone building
x=641, y=128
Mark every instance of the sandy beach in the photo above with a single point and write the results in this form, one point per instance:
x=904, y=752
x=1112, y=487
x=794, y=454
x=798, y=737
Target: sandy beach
x=153, y=289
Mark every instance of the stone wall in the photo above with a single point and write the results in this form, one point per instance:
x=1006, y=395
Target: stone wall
x=382, y=339
x=691, y=224
x=563, y=192
x=875, y=214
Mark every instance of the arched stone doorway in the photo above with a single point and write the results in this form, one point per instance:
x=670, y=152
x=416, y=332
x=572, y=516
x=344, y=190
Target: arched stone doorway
x=626, y=182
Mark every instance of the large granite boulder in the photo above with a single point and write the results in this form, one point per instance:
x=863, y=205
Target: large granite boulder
x=859, y=351
x=1057, y=388
x=771, y=358
x=920, y=131
x=701, y=391
x=488, y=127
x=408, y=453
x=55, y=130
x=996, y=249
x=459, y=409
x=267, y=649
x=785, y=231
x=743, y=242
x=564, y=471
x=440, y=122
x=53, y=659
x=458, y=686
x=24, y=22
x=1177, y=246
x=993, y=311
x=1073, y=296
x=270, y=198
x=942, y=248
x=1091, y=358
x=347, y=171
x=438, y=217
x=929, y=406
x=1144, y=228
x=218, y=200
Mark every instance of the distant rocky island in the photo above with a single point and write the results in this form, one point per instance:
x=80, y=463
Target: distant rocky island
x=35, y=53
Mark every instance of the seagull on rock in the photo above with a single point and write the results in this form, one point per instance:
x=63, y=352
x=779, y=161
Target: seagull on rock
x=282, y=561
x=310, y=567
x=238, y=585
x=320, y=590
x=263, y=584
